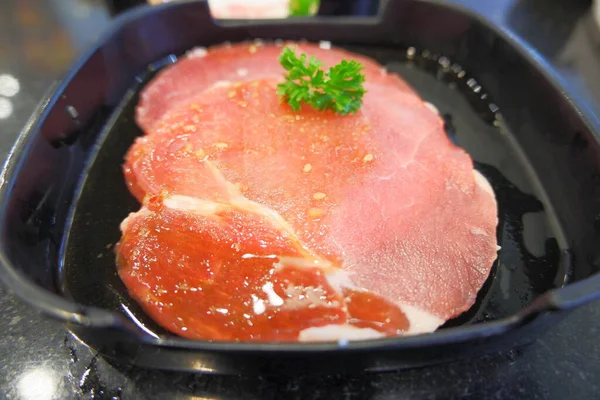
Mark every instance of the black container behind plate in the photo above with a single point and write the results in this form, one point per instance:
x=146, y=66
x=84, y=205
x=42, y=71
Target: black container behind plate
x=63, y=194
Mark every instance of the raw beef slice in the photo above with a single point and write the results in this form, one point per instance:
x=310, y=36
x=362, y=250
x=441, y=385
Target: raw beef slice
x=202, y=68
x=378, y=212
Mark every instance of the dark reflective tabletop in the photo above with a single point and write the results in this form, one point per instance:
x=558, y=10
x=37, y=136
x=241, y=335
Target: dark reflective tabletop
x=40, y=360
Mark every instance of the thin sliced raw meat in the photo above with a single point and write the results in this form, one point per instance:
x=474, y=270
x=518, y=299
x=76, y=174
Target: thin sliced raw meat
x=378, y=210
x=180, y=83
x=225, y=271
x=383, y=193
x=311, y=158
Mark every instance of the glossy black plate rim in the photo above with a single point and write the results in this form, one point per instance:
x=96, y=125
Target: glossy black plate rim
x=565, y=298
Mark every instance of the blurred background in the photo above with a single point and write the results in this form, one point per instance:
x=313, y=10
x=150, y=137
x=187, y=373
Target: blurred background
x=40, y=360
x=264, y=8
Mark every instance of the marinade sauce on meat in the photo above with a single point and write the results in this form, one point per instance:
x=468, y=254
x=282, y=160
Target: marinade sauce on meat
x=260, y=223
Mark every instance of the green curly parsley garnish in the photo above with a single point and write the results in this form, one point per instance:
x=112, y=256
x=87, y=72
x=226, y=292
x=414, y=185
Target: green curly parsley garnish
x=302, y=8
x=340, y=89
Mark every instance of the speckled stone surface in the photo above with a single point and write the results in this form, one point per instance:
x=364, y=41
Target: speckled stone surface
x=563, y=364
x=39, y=359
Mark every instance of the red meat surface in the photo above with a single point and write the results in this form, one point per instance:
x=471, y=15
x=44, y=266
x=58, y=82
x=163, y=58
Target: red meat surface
x=300, y=225
x=202, y=68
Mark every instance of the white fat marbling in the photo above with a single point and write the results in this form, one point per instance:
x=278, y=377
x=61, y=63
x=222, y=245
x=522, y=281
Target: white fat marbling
x=420, y=321
x=341, y=333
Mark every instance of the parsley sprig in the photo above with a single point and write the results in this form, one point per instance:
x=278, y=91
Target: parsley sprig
x=340, y=89
x=302, y=8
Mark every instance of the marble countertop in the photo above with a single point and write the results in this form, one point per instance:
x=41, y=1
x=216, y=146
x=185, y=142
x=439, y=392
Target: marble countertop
x=41, y=360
